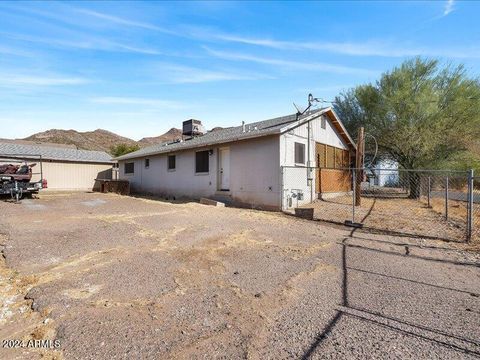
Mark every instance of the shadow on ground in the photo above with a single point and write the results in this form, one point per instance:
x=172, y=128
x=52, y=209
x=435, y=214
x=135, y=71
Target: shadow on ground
x=421, y=327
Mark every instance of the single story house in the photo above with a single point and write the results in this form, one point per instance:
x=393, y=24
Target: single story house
x=268, y=164
x=64, y=168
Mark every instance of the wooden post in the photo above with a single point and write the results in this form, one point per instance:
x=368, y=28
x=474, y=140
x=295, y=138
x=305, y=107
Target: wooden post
x=359, y=165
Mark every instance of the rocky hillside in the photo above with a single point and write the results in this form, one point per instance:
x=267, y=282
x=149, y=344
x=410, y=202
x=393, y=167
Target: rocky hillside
x=170, y=135
x=89, y=140
x=98, y=139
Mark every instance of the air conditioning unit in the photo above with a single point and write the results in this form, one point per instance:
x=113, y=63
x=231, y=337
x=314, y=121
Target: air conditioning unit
x=193, y=127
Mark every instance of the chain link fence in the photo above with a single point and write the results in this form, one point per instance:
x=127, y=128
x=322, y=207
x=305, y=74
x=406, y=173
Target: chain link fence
x=424, y=203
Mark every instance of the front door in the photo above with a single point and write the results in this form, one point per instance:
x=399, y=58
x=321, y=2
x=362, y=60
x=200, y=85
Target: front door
x=224, y=169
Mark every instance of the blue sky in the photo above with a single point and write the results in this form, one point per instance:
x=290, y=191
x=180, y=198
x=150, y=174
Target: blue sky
x=140, y=68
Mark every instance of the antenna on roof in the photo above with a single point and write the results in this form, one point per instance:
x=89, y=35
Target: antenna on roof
x=311, y=101
x=299, y=109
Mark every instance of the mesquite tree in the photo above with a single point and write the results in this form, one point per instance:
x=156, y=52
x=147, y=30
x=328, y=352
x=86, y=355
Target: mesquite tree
x=421, y=115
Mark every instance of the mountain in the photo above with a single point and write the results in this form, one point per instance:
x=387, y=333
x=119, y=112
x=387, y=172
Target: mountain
x=98, y=139
x=170, y=135
x=89, y=140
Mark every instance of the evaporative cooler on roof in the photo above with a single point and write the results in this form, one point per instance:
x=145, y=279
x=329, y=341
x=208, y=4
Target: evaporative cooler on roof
x=193, y=127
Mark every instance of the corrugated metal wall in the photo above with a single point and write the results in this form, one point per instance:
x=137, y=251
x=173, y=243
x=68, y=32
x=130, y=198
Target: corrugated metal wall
x=72, y=176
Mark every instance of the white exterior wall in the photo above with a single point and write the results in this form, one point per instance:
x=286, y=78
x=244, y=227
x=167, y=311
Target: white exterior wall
x=295, y=175
x=386, y=173
x=254, y=173
x=181, y=182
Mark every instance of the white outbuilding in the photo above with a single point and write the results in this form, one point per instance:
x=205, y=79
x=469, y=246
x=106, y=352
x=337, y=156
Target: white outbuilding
x=62, y=166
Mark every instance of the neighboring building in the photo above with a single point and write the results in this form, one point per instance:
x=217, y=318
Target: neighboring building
x=263, y=164
x=385, y=173
x=64, y=168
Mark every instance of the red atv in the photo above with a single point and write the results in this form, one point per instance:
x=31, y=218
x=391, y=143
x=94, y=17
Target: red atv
x=21, y=173
x=16, y=179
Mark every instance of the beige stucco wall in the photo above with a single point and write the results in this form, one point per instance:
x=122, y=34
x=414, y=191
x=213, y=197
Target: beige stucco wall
x=71, y=175
x=254, y=173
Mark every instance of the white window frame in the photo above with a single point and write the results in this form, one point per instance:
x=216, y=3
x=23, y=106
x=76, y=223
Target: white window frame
x=295, y=153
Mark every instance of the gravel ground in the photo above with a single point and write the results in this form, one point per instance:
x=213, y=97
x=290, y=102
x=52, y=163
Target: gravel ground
x=121, y=277
x=400, y=216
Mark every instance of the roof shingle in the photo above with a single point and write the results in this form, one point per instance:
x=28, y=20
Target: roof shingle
x=53, y=153
x=257, y=129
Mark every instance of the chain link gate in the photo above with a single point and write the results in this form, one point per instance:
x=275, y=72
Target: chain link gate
x=438, y=204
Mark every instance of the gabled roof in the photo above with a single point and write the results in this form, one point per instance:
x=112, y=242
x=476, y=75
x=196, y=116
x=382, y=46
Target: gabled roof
x=334, y=119
x=24, y=151
x=257, y=129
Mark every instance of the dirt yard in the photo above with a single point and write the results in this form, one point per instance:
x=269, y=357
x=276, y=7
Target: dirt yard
x=108, y=277
x=402, y=215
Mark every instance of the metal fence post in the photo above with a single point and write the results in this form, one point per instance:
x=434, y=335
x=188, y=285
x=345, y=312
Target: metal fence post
x=446, y=198
x=429, y=190
x=354, y=183
x=470, y=206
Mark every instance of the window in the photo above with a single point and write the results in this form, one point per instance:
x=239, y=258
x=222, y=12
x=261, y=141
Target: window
x=171, y=162
x=201, y=161
x=147, y=163
x=324, y=122
x=299, y=153
x=129, y=168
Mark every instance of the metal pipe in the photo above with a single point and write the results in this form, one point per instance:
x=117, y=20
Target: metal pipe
x=470, y=206
x=354, y=181
x=446, y=198
x=41, y=170
x=282, y=208
x=429, y=191
x=309, y=171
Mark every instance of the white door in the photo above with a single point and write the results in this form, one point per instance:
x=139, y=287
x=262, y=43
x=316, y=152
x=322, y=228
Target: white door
x=224, y=169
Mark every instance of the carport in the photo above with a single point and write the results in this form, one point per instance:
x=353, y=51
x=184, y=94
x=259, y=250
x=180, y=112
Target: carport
x=64, y=167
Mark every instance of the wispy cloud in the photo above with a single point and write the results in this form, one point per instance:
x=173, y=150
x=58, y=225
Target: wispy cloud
x=184, y=74
x=7, y=80
x=158, y=103
x=299, y=65
x=449, y=7
x=124, y=21
x=86, y=43
x=5, y=50
x=365, y=48
x=325, y=89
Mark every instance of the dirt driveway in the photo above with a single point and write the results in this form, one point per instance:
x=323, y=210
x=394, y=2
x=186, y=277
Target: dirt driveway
x=120, y=277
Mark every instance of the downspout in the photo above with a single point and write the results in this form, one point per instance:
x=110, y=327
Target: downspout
x=309, y=178
x=41, y=170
